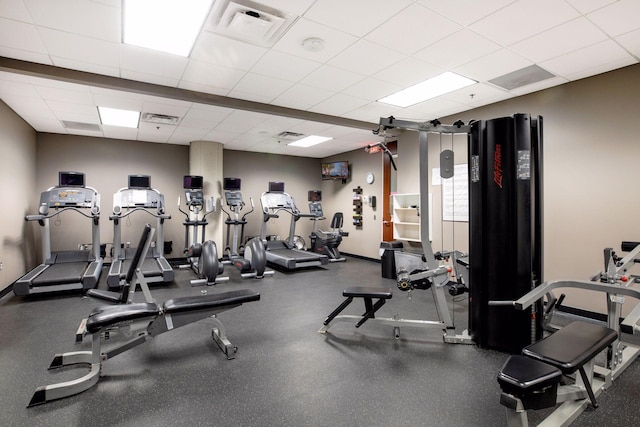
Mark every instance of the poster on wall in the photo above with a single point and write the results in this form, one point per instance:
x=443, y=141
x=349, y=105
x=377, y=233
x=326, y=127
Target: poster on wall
x=455, y=193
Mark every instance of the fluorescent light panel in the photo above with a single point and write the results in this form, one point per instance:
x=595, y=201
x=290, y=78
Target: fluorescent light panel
x=310, y=140
x=170, y=26
x=428, y=89
x=117, y=117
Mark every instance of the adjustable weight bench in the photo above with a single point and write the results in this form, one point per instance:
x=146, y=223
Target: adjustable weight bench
x=173, y=314
x=531, y=380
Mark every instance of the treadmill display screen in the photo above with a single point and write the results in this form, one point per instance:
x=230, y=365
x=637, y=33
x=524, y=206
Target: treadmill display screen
x=139, y=181
x=70, y=179
x=276, y=187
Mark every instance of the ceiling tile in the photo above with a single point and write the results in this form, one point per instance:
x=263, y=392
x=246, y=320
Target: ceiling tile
x=184, y=135
x=534, y=87
x=631, y=42
x=15, y=10
x=88, y=18
x=557, y=41
x=457, y=49
x=23, y=55
x=297, y=7
x=338, y=104
x=119, y=132
x=80, y=48
x=408, y=72
x=19, y=35
x=586, y=6
x=147, y=61
x=365, y=57
x=617, y=18
x=284, y=66
x=262, y=85
x=230, y=53
x=576, y=65
x=493, y=65
x=357, y=17
x=150, y=78
x=415, y=35
x=477, y=94
x=198, y=117
x=212, y=75
x=371, y=89
x=335, y=41
x=79, y=94
x=465, y=12
x=523, y=19
x=331, y=78
x=85, y=66
x=372, y=112
x=10, y=88
x=302, y=97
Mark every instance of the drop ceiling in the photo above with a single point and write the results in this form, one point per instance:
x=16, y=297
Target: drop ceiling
x=60, y=59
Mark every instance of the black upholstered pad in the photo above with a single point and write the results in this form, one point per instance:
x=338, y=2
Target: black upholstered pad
x=522, y=374
x=366, y=291
x=201, y=302
x=572, y=346
x=108, y=315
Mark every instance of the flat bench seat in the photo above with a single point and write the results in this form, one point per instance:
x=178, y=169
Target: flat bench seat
x=572, y=346
x=237, y=297
x=367, y=294
x=109, y=315
x=532, y=381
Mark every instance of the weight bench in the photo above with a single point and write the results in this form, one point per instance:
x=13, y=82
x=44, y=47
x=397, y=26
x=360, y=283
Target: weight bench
x=531, y=380
x=367, y=294
x=173, y=314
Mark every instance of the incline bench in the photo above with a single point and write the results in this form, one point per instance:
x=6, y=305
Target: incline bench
x=171, y=315
x=531, y=381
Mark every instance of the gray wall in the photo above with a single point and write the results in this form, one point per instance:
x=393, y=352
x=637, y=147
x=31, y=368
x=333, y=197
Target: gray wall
x=18, y=174
x=106, y=164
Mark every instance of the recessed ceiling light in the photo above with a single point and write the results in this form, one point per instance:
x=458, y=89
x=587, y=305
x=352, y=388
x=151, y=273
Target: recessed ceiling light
x=428, y=89
x=170, y=26
x=117, y=117
x=310, y=140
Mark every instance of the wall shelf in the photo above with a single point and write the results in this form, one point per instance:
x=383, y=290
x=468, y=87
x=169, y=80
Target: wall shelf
x=406, y=217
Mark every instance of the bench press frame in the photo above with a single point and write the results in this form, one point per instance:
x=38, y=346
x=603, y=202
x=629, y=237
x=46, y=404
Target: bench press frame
x=618, y=357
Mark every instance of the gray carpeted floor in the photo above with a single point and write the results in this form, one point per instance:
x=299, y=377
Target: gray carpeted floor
x=285, y=373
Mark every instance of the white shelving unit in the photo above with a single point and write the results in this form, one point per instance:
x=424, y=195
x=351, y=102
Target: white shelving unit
x=406, y=217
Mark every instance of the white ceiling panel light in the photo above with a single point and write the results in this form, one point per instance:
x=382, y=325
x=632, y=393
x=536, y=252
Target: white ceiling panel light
x=117, y=117
x=428, y=89
x=170, y=26
x=310, y=141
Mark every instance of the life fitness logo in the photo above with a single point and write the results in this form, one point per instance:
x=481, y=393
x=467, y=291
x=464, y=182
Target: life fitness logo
x=497, y=165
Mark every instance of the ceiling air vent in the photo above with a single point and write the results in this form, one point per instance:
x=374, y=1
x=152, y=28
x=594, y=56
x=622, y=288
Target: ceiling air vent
x=289, y=135
x=249, y=21
x=92, y=127
x=161, y=119
x=522, y=77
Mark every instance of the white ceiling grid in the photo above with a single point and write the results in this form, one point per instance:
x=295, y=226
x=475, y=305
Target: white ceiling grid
x=372, y=48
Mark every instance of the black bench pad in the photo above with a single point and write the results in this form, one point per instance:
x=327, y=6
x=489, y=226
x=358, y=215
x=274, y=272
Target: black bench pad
x=202, y=302
x=572, y=346
x=108, y=315
x=521, y=375
x=365, y=291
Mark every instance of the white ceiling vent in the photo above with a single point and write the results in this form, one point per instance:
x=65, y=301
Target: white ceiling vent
x=161, y=119
x=92, y=127
x=293, y=136
x=249, y=21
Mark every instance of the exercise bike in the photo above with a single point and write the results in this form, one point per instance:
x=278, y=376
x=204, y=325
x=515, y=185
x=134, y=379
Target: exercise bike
x=202, y=255
x=251, y=259
x=326, y=242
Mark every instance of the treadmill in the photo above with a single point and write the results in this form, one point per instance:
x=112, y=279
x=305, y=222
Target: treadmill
x=279, y=252
x=65, y=270
x=139, y=196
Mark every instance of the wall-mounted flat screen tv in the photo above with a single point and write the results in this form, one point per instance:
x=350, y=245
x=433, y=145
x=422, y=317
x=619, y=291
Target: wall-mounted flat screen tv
x=335, y=170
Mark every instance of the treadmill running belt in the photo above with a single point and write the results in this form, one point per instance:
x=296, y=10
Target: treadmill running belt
x=150, y=267
x=59, y=274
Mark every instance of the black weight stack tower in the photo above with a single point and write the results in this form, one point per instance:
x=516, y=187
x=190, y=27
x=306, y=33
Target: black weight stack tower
x=505, y=229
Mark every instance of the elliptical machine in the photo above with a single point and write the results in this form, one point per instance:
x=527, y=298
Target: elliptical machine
x=202, y=255
x=250, y=260
x=325, y=242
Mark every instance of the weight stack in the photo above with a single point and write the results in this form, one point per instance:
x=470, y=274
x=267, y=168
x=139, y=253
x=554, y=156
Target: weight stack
x=505, y=229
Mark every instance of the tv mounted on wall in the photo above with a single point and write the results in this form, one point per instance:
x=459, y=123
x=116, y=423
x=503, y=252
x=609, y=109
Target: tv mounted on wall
x=335, y=170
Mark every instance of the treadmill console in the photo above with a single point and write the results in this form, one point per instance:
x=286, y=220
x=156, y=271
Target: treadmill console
x=68, y=196
x=137, y=198
x=194, y=197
